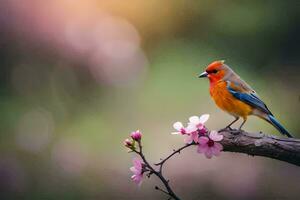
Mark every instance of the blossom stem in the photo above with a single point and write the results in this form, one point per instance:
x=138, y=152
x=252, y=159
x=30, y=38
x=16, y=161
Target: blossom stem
x=159, y=174
x=163, y=191
x=161, y=163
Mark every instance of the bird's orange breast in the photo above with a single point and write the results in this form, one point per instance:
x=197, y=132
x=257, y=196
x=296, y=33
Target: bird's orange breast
x=227, y=102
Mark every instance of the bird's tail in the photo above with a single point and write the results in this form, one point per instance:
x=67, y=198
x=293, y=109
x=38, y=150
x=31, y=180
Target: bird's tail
x=271, y=119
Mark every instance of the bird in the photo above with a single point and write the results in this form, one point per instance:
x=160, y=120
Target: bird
x=236, y=97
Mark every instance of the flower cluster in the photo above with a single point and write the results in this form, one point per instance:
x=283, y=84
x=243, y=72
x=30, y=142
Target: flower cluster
x=135, y=136
x=196, y=132
x=138, y=167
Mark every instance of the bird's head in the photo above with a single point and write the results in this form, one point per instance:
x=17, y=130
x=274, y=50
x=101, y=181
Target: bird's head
x=215, y=71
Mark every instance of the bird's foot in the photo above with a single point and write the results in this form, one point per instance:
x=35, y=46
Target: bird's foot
x=236, y=131
x=227, y=128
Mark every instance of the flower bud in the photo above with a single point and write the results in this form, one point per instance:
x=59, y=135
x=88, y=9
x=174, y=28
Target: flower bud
x=136, y=135
x=128, y=143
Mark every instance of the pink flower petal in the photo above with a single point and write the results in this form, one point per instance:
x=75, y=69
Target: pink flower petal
x=204, y=118
x=137, y=164
x=215, y=136
x=215, y=151
x=191, y=128
x=203, y=140
x=133, y=177
x=194, y=120
x=137, y=179
x=195, y=137
x=218, y=146
x=134, y=170
x=202, y=148
x=188, y=139
x=209, y=153
x=178, y=126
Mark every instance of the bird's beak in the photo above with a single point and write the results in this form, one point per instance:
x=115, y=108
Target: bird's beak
x=204, y=74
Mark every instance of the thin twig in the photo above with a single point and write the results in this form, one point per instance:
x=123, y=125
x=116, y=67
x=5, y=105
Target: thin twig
x=159, y=174
x=163, y=191
x=161, y=163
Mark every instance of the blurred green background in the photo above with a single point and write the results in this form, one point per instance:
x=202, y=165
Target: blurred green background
x=78, y=76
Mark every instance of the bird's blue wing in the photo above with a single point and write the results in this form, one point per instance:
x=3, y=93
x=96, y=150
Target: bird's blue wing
x=249, y=98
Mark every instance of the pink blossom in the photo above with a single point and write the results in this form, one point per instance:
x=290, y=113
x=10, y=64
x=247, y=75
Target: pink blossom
x=195, y=128
x=180, y=128
x=137, y=170
x=209, y=145
x=136, y=135
x=198, y=122
x=190, y=132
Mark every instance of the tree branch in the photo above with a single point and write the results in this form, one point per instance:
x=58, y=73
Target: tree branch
x=255, y=144
x=259, y=144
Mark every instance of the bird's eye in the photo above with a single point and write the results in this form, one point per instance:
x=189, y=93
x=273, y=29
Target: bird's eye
x=214, y=71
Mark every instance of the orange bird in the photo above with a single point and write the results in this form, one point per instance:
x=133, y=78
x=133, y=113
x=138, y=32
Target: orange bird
x=236, y=97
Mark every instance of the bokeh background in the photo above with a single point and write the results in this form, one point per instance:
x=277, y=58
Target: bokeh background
x=77, y=76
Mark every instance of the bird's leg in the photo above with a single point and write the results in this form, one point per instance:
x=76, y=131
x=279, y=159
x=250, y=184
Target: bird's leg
x=240, y=128
x=228, y=126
